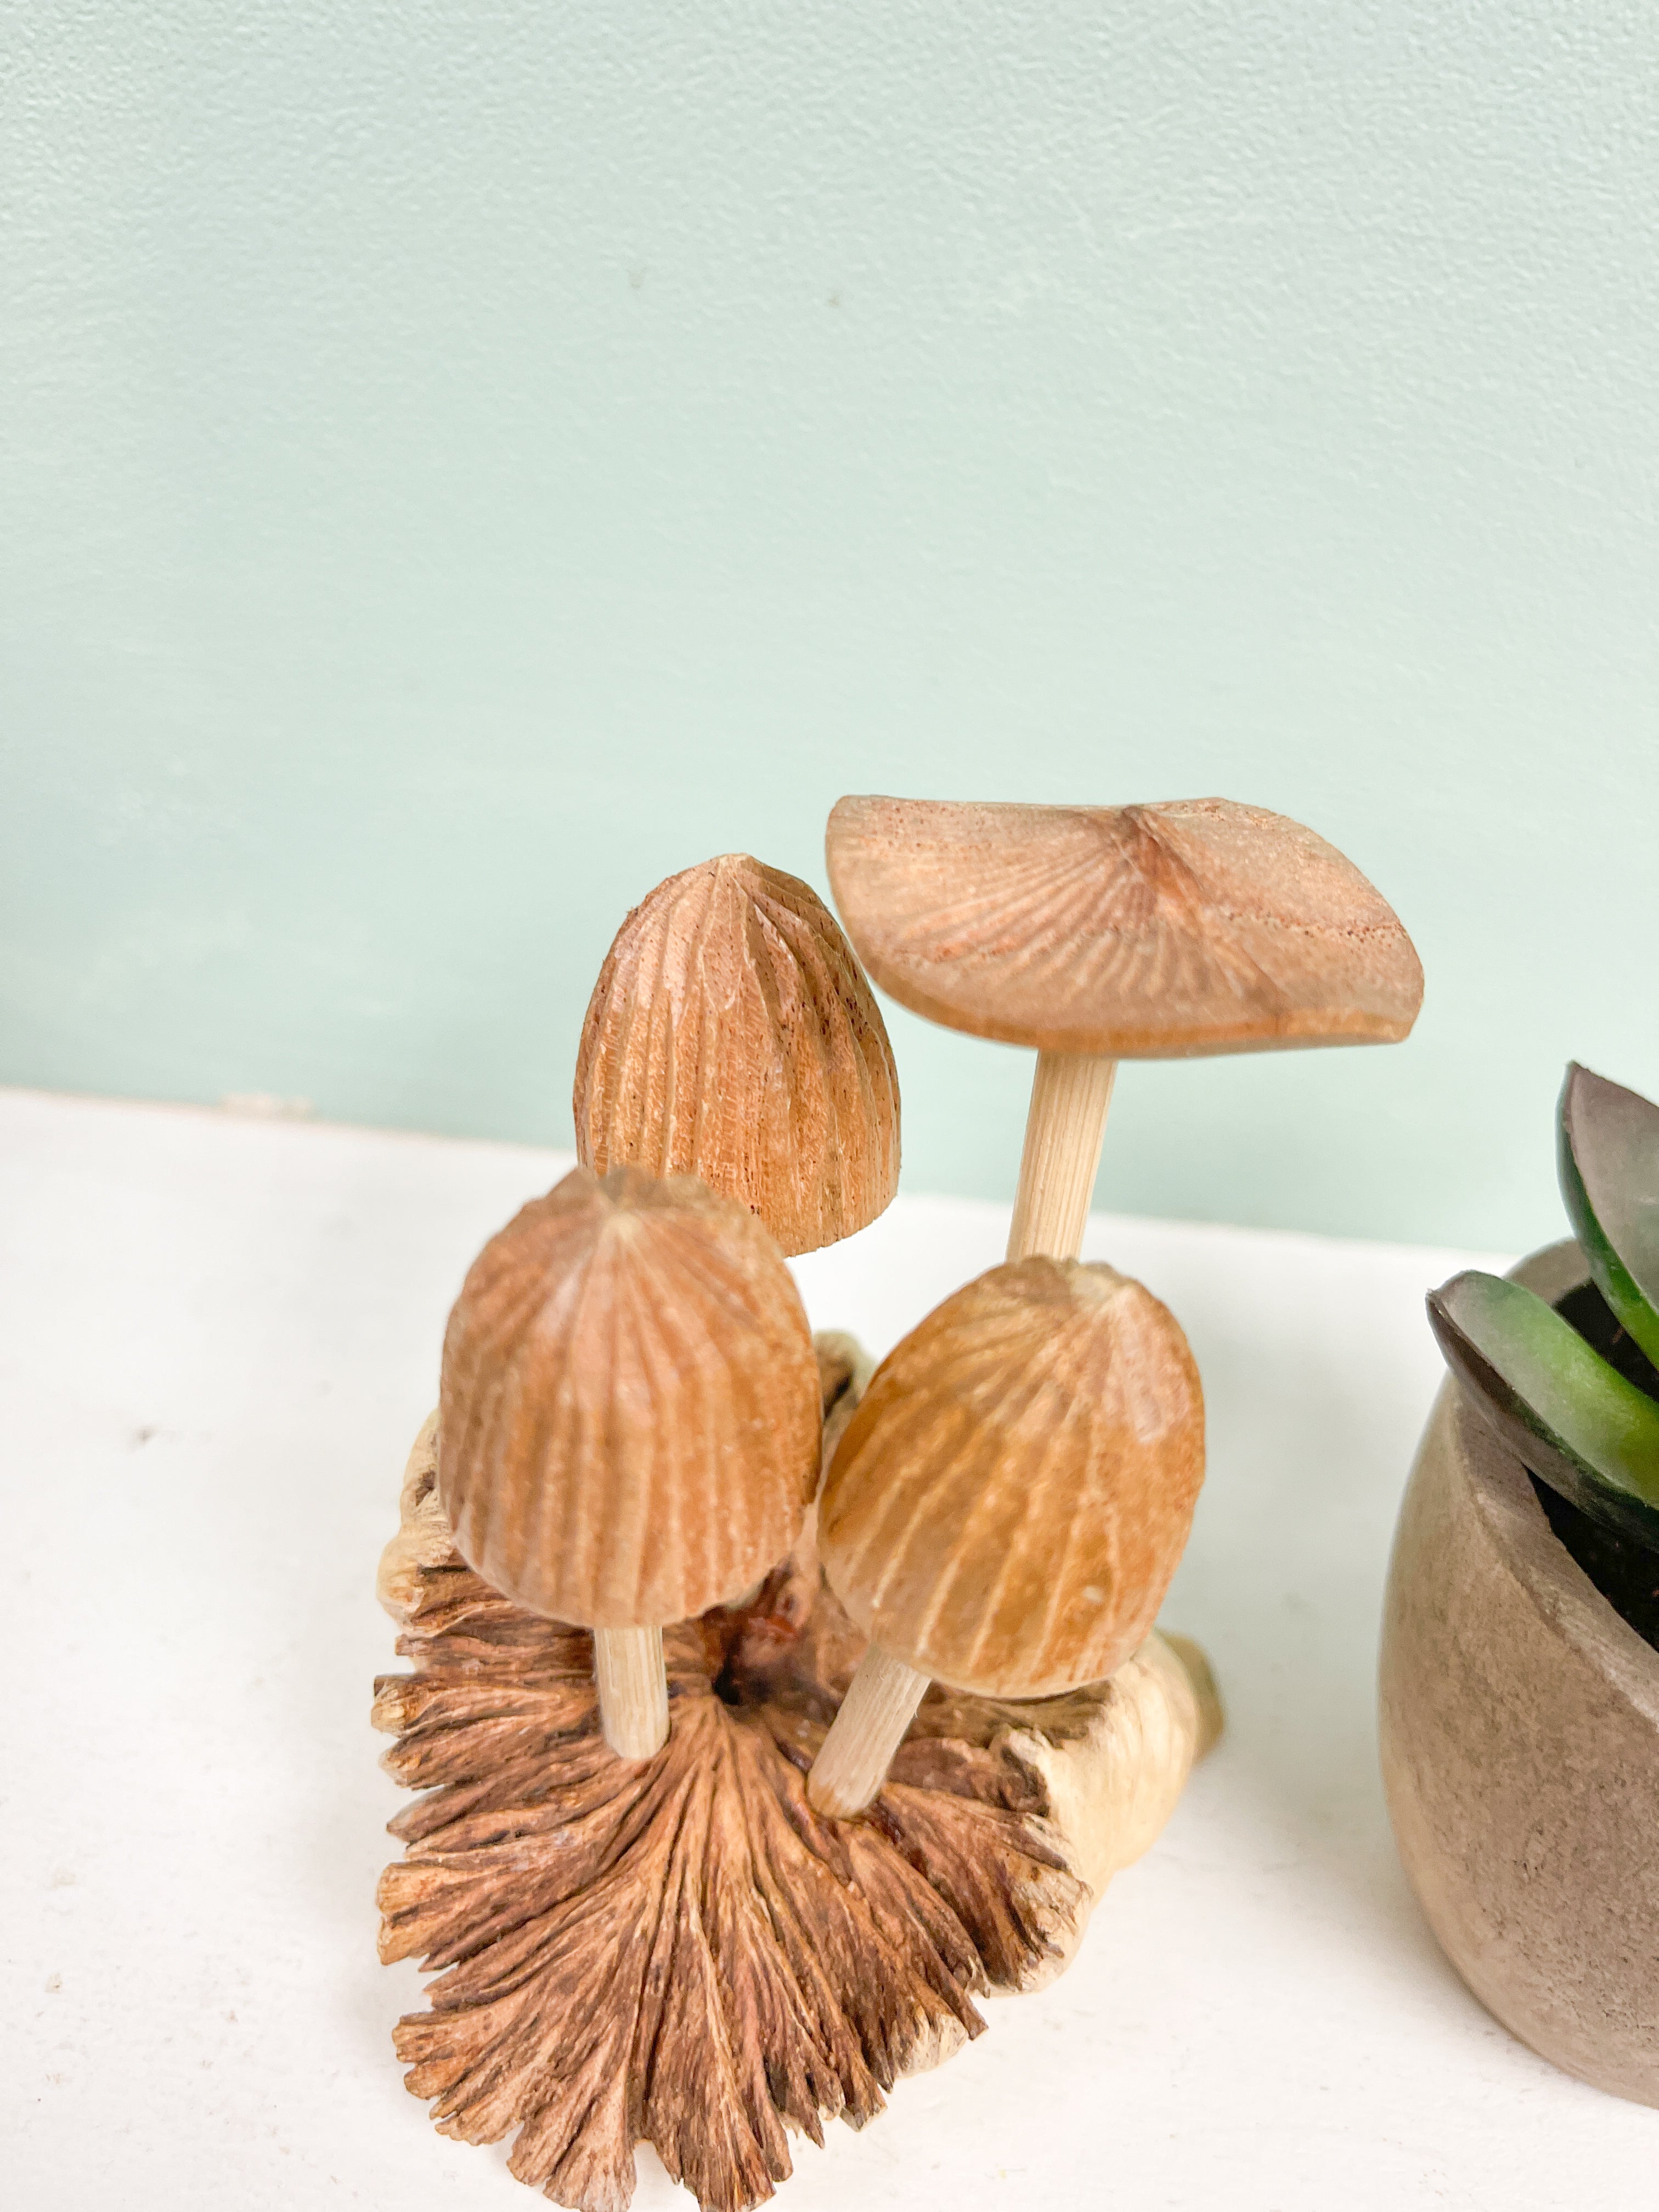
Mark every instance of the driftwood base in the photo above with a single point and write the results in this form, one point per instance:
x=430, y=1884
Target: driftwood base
x=680, y=1950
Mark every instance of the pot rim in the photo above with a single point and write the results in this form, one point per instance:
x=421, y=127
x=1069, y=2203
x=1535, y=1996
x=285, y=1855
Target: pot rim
x=1502, y=1495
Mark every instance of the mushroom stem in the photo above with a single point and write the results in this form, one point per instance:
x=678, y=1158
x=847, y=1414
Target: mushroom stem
x=632, y=1686
x=879, y=1706
x=1070, y=1093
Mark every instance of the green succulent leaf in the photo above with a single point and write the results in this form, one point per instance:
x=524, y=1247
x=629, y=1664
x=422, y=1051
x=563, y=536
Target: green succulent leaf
x=1609, y=1164
x=1567, y=1415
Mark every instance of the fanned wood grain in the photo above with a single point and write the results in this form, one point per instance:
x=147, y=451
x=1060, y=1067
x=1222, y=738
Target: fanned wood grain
x=681, y=1951
x=731, y=1035
x=1153, y=931
x=1007, y=1507
x=631, y=1403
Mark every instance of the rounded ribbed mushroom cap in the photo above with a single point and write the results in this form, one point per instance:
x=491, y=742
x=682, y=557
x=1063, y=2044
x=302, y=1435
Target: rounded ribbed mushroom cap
x=629, y=1417
x=1141, y=933
x=1005, y=1509
x=732, y=1034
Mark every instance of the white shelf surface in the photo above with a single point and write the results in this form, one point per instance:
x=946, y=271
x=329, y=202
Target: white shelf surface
x=217, y=1338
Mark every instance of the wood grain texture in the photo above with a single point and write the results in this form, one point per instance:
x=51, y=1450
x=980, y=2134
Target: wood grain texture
x=732, y=1034
x=1142, y=932
x=876, y=1713
x=629, y=1401
x=684, y=1952
x=1007, y=1507
x=632, y=1684
x=1064, y=1124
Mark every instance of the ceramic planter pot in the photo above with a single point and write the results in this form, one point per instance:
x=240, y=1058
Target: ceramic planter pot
x=1520, y=1748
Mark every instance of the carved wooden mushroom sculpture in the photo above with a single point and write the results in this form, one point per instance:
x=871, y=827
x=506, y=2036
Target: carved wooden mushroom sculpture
x=731, y=1035
x=628, y=1420
x=684, y=1951
x=1105, y=934
x=1005, y=1509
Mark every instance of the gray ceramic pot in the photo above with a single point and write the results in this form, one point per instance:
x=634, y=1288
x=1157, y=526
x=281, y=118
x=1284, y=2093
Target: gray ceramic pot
x=1520, y=1743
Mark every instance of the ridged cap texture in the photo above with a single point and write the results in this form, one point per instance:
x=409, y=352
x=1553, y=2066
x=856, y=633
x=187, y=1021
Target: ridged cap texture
x=732, y=1035
x=629, y=1417
x=1005, y=1509
x=1144, y=933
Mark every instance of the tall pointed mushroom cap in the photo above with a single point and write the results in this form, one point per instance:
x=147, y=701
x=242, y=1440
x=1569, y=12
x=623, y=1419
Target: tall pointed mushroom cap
x=1004, y=1510
x=731, y=1035
x=1007, y=1506
x=628, y=1419
x=629, y=1416
x=1100, y=933
x=1142, y=932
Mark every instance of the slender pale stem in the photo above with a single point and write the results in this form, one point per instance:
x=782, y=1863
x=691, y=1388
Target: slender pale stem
x=879, y=1706
x=632, y=1686
x=1070, y=1093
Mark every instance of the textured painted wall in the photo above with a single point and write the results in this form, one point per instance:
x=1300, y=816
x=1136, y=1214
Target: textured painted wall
x=460, y=463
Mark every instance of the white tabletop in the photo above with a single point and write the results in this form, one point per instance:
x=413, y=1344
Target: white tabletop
x=217, y=1338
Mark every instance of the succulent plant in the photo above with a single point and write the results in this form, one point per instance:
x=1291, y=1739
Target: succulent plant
x=1583, y=1420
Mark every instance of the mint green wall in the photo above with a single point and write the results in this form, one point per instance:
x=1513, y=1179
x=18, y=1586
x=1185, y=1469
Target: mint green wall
x=459, y=464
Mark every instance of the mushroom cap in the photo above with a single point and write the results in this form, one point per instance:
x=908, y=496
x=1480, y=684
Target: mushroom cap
x=629, y=1417
x=732, y=1034
x=1143, y=932
x=1005, y=1509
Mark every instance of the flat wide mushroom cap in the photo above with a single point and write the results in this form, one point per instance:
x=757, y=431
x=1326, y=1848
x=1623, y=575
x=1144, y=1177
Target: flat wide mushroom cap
x=732, y=1034
x=629, y=1414
x=1005, y=1509
x=1137, y=933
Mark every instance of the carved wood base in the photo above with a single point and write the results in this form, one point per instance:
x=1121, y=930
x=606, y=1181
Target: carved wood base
x=680, y=1950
